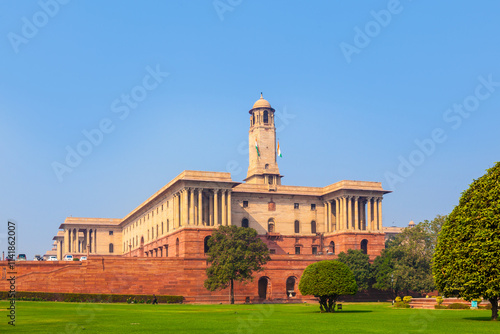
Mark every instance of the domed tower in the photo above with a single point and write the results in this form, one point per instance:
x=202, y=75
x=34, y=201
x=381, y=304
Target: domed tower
x=263, y=167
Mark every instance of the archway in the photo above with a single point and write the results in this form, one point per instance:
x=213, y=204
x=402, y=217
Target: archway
x=263, y=282
x=364, y=246
x=270, y=226
x=290, y=286
x=332, y=247
x=205, y=244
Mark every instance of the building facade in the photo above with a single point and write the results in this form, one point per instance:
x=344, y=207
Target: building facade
x=179, y=218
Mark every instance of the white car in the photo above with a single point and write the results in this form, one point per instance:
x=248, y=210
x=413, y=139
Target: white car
x=83, y=258
x=52, y=258
x=68, y=257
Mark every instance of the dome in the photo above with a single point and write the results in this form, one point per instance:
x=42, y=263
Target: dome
x=261, y=103
x=412, y=223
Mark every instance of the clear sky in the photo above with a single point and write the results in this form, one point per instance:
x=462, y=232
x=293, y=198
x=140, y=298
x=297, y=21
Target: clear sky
x=405, y=93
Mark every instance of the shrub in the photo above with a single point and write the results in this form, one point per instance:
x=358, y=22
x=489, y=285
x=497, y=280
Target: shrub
x=458, y=306
x=401, y=305
x=407, y=299
x=398, y=299
x=439, y=300
x=440, y=307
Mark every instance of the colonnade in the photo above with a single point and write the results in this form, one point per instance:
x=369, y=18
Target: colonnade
x=353, y=213
x=201, y=207
x=71, y=241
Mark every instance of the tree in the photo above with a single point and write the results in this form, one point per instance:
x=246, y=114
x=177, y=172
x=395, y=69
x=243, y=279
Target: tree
x=406, y=262
x=468, y=248
x=234, y=254
x=327, y=280
x=359, y=263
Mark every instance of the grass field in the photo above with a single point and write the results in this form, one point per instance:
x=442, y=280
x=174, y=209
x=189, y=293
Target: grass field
x=58, y=317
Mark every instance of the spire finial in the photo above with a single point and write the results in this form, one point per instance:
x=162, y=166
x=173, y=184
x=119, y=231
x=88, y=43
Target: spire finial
x=261, y=95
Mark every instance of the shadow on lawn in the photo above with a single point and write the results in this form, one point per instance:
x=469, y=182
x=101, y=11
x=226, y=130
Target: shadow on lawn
x=479, y=319
x=345, y=311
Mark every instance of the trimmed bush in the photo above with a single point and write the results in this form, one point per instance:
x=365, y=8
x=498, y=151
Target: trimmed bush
x=401, y=305
x=439, y=300
x=407, y=299
x=398, y=299
x=458, y=306
x=440, y=307
x=89, y=298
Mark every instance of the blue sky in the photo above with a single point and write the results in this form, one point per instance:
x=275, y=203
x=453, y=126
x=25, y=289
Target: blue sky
x=406, y=93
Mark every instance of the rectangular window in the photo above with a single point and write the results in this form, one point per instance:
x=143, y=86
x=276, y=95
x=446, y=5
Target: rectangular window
x=297, y=250
x=245, y=204
x=295, y=205
x=110, y=232
x=313, y=207
x=315, y=250
x=272, y=251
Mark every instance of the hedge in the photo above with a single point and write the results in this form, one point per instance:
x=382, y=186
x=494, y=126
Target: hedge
x=87, y=297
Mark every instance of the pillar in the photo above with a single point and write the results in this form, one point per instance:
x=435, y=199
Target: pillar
x=87, y=236
x=356, y=213
x=200, y=207
x=379, y=223
x=191, y=208
x=95, y=241
x=375, y=214
x=224, y=207
x=229, y=221
x=327, y=226
x=216, y=207
x=210, y=209
x=337, y=215
x=369, y=213
x=184, y=206
x=174, y=211
x=349, y=213
x=67, y=240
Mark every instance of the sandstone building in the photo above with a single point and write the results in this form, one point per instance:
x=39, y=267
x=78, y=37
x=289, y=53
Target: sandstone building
x=177, y=220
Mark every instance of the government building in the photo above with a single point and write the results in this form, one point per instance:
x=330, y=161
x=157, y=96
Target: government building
x=160, y=246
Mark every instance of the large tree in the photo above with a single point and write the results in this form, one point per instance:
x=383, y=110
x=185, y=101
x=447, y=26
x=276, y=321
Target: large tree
x=466, y=261
x=234, y=253
x=359, y=263
x=327, y=280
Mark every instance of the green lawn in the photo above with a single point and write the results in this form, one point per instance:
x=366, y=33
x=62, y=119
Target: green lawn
x=58, y=317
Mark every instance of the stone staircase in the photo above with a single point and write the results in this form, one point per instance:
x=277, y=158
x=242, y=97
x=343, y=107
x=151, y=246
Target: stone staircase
x=428, y=303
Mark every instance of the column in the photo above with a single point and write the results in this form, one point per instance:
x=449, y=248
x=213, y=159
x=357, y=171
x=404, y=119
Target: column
x=88, y=240
x=342, y=213
x=95, y=241
x=174, y=212
x=229, y=221
x=337, y=214
x=60, y=250
x=224, y=207
x=67, y=240
x=349, y=213
x=375, y=214
x=369, y=225
x=191, y=207
x=184, y=207
x=210, y=221
x=356, y=213
x=379, y=223
x=200, y=207
x=327, y=227
x=216, y=207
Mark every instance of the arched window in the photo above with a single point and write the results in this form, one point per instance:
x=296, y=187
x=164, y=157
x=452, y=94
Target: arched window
x=266, y=166
x=270, y=226
x=177, y=247
x=244, y=222
x=364, y=246
x=313, y=227
x=205, y=244
x=253, y=118
x=111, y=248
x=297, y=226
x=332, y=247
x=266, y=117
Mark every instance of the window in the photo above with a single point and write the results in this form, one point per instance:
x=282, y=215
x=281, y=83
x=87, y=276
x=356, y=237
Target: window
x=297, y=226
x=332, y=247
x=162, y=228
x=297, y=250
x=270, y=179
x=244, y=222
x=162, y=207
x=313, y=207
x=364, y=246
x=110, y=232
x=266, y=166
x=148, y=235
x=168, y=225
x=205, y=244
x=313, y=227
x=266, y=117
x=270, y=226
x=111, y=248
x=295, y=205
x=245, y=204
x=157, y=230
x=272, y=251
x=315, y=250
x=166, y=251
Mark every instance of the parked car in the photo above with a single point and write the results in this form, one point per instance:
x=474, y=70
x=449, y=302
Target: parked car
x=38, y=258
x=68, y=257
x=52, y=258
x=83, y=258
x=21, y=257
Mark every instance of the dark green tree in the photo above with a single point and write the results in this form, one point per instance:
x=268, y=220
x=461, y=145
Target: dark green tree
x=383, y=273
x=466, y=261
x=359, y=263
x=234, y=254
x=327, y=280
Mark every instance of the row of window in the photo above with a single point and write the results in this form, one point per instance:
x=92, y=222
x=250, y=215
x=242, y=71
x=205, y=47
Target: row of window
x=271, y=225
x=295, y=205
